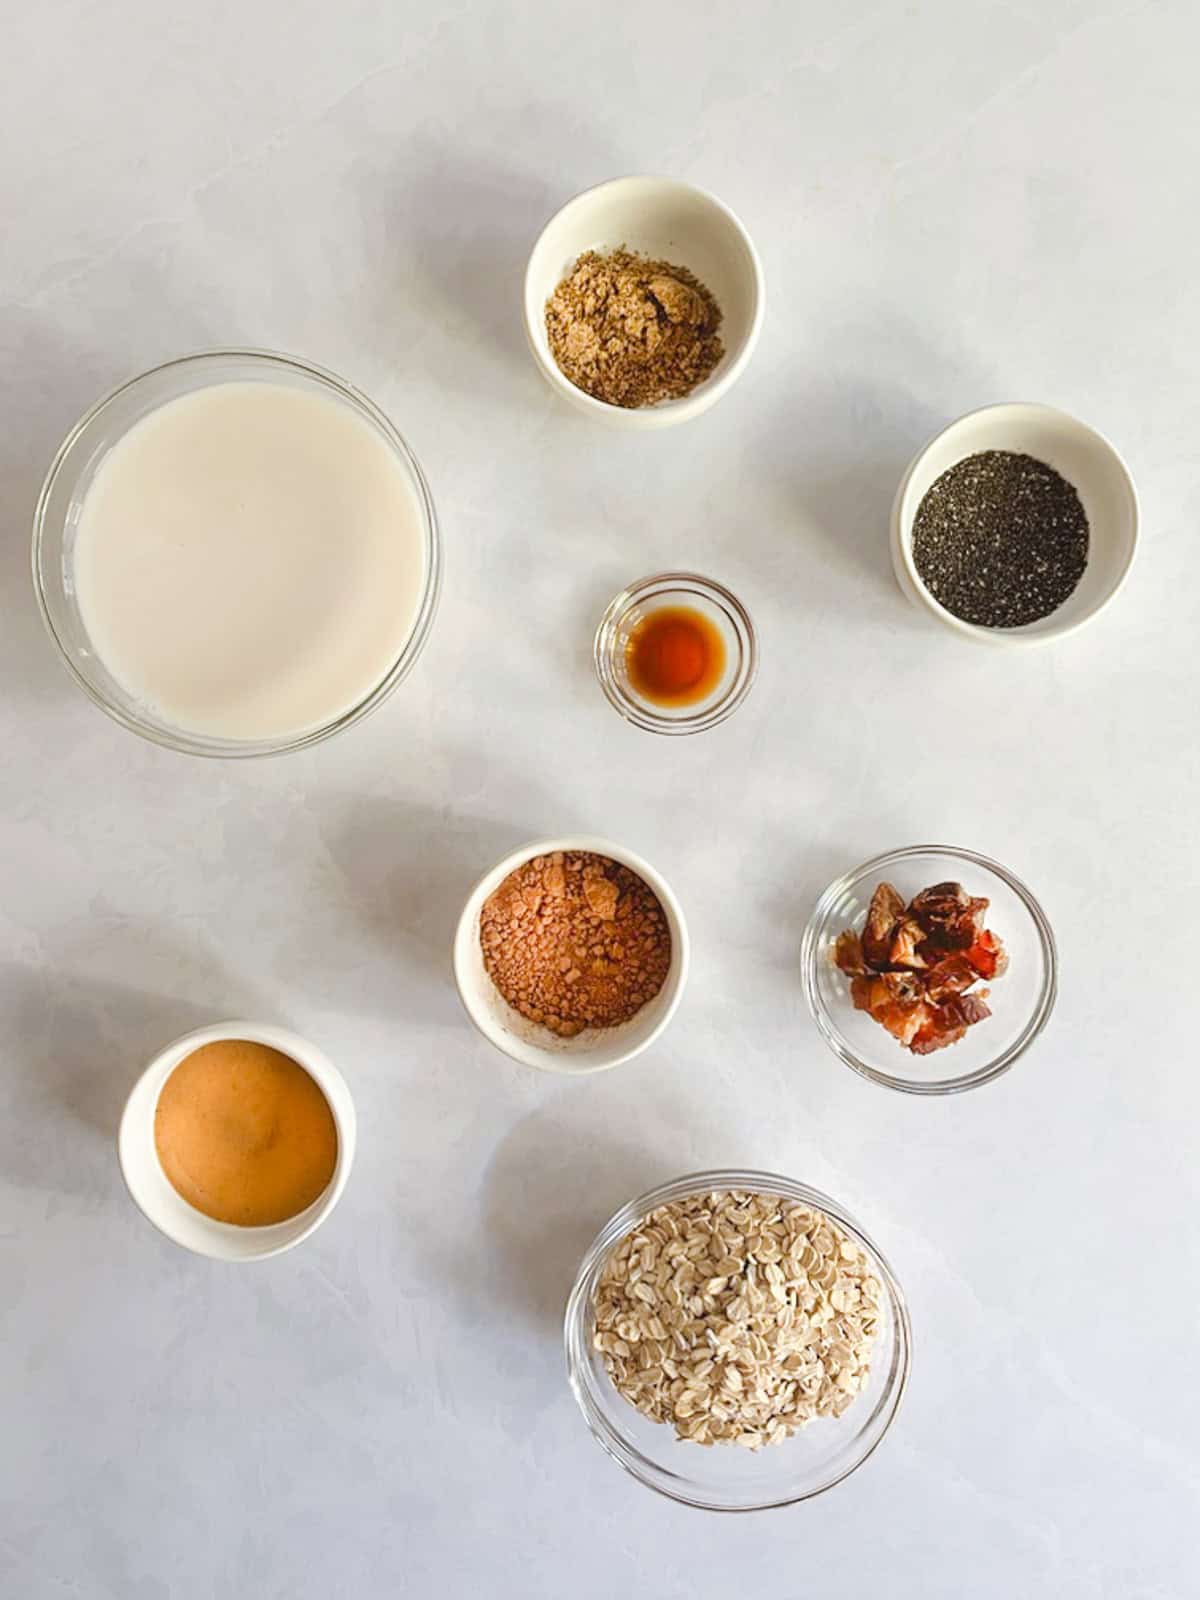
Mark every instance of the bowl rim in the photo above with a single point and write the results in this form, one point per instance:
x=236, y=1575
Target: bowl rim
x=665, y=412
x=523, y=1051
x=576, y=1322
x=811, y=955
x=901, y=534
x=325, y=1075
x=642, y=715
x=205, y=746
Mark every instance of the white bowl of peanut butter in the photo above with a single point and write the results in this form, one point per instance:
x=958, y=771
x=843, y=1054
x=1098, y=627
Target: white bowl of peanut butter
x=237, y=1140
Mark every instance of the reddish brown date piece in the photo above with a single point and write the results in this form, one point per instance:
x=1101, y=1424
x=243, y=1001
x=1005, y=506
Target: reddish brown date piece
x=912, y=966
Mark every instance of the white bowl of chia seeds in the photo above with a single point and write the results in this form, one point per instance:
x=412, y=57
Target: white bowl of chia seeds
x=1015, y=525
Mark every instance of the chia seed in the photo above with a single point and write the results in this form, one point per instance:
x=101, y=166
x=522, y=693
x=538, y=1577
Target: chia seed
x=1000, y=539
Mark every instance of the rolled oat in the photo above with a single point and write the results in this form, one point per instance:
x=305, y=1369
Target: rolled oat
x=737, y=1317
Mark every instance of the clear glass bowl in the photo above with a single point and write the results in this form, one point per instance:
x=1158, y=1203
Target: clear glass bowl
x=1021, y=1000
x=722, y=608
x=71, y=473
x=724, y=1477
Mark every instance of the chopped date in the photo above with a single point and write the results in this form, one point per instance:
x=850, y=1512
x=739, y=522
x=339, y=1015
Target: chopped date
x=969, y=1008
x=988, y=956
x=887, y=988
x=948, y=1023
x=951, y=918
x=848, y=954
x=952, y=975
x=912, y=968
x=905, y=941
x=883, y=914
x=935, y=1036
x=894, y=1000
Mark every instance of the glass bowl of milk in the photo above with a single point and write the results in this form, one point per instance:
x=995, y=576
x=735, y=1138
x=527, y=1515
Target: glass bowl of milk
x=237, y=554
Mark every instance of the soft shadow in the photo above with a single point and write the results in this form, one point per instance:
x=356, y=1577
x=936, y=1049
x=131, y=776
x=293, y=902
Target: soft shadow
x=464, y=224
x=477, y=225
x=551, y=1186
x=84, y=1042
x=464, y=233
x=859, y=437
x=846, y=445
x=410, y=867
x=45, y=384
x=807, y=874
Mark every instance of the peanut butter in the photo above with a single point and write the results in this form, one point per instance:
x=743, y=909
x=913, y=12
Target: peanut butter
x=244, y=1134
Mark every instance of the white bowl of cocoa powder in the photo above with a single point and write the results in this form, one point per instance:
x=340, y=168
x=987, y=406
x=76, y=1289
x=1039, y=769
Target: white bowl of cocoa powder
x=571, y=955
x=652, y=362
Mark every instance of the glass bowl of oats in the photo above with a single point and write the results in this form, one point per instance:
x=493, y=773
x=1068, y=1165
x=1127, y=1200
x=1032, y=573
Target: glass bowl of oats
x=736, y=1341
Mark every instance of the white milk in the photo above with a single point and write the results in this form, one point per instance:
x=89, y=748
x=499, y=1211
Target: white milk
x=250, y=561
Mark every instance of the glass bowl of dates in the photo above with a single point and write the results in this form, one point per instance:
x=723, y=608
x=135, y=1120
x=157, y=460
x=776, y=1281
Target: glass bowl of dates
x=929, y=969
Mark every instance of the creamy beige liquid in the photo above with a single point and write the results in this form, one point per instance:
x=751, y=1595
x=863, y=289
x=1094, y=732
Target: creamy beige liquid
x=250, y=561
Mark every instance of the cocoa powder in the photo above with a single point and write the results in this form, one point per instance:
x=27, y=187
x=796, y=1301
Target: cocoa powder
x=574, y=940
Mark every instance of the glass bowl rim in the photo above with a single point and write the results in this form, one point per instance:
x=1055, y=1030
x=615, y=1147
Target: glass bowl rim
x=810, y=955
x=576, y=1322
x=641, y=714
x=209, y=746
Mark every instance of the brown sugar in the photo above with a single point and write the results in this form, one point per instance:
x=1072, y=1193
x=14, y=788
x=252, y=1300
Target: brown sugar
x=632, y=332
x=574, y=940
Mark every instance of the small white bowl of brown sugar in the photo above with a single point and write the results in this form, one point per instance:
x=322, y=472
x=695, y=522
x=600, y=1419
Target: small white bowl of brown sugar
x=643, y=301
x=571, y=955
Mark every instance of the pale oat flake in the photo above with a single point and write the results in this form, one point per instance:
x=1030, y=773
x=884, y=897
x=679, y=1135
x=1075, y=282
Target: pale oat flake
x=737, y=1317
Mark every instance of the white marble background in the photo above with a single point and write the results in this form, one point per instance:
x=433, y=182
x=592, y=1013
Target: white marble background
x=956, y=202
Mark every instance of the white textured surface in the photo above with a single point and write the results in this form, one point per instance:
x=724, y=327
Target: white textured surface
x=955, y=203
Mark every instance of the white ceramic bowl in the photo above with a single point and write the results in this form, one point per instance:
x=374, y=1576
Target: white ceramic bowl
x=1082, y=456
x=667, y=220
x=595, y=1049
x=150, y=1188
